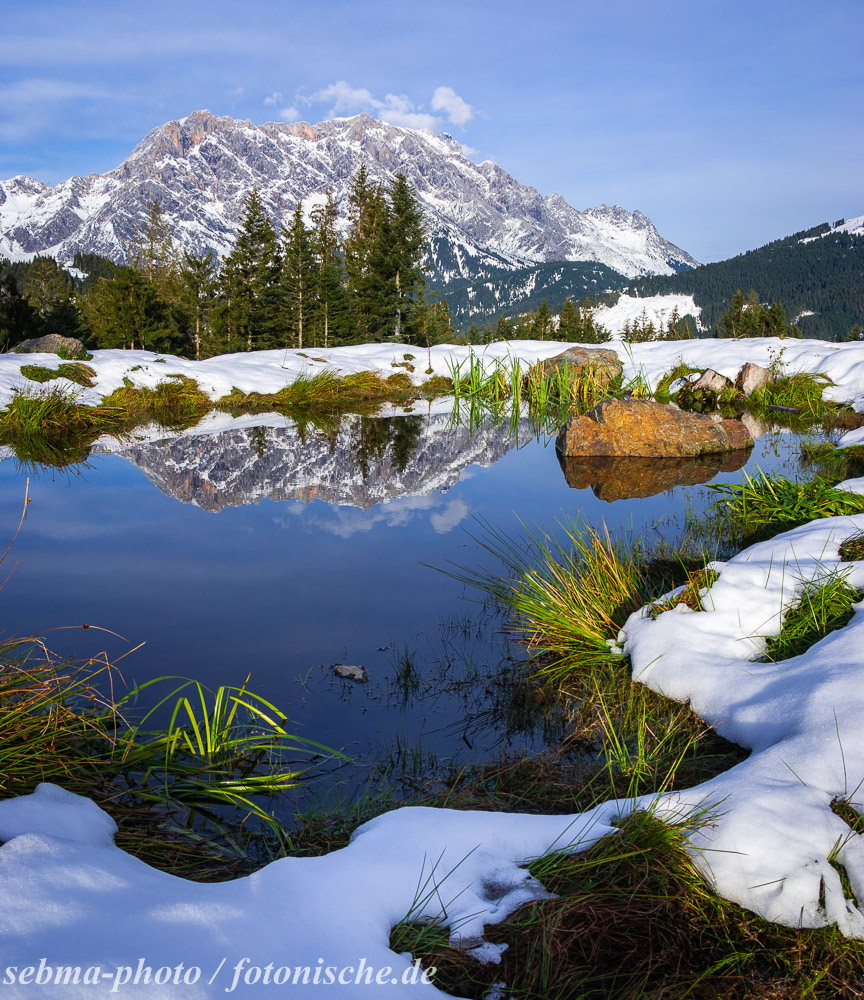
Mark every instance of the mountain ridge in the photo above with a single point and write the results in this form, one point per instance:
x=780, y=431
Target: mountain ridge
x=200, y=168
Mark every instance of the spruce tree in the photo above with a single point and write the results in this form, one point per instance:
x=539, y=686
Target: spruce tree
x=403, y=245
x=299, y=280
x=568, y=322
x=250, y=278
x=366, y=209
x=197, y=283
x=542, y=326
x=330, y=317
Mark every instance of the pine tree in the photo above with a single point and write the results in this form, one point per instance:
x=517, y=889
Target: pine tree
x=197, y=282
x=299, y=280
x=504, y=329
x=250, y=278
x=542, y=326
x=45, y=285
x=18, y=319
x=400, y=254
x=153, y=252
x=330, y=318
x=127, y=311
x=366, y=209
x=568, y=323
x=732, y=321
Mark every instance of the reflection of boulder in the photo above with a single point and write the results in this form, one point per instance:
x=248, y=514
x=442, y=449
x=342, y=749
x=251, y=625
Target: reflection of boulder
x=642, y=428
x=632, y=478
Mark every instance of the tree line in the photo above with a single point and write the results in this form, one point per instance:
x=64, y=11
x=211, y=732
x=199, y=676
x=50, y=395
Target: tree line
x=309, y=286
x=818, y=282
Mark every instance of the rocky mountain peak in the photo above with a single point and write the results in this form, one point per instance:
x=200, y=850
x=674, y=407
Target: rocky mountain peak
x=201, y=168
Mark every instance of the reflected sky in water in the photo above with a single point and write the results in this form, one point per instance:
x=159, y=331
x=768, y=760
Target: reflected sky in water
x=279, y=588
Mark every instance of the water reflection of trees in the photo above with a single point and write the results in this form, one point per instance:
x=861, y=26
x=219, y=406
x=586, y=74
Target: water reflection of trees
x=372, y=438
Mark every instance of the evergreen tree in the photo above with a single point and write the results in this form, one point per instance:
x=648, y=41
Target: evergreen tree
x=249, y=281
x=330, y=316
x=366, y=209
x=18, y=319
x=299, y=280
x=504, y=329
x=569, y=322
x=542, y=326
x=127, y=311
x=45, y=285
x=198, y=284
x=399, y=256
x=153, y=253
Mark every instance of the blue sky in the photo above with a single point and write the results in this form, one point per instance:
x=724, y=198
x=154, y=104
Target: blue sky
x=728, y=123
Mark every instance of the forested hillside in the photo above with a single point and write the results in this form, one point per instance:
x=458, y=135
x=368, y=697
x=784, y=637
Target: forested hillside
x=820, y=282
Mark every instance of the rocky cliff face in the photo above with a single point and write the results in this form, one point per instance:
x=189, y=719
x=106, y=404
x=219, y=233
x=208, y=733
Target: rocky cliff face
x=367, y=461
x=481, y=220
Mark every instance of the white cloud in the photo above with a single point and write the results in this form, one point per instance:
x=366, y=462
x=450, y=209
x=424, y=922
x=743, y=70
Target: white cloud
x=458, y=111
x=345, y=99
x=274, y=99
x=397, y=109
x=290, y=114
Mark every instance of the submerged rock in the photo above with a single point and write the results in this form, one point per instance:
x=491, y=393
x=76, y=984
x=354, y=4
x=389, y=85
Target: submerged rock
x=52, y=343
x=645, y=429
x=350, y=672
x=605, y=364
x=613, y=479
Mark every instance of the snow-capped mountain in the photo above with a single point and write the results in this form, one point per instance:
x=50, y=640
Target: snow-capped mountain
x=482, y=221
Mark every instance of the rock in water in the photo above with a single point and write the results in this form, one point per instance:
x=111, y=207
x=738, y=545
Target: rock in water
x=53, y=343
x=752, y=378
x=350, y=672
x=605, y=364
x=642, y=428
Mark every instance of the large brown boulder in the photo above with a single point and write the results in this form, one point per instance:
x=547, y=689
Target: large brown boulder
x=642, y=428
x=605, y=364
x=613, y=479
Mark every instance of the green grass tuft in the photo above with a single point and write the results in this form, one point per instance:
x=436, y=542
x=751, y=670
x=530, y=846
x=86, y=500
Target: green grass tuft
x=825, y=605
x=774, y=502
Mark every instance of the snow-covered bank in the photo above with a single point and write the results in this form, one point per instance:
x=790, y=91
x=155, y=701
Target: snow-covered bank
x=70, y=897
x=269, y=371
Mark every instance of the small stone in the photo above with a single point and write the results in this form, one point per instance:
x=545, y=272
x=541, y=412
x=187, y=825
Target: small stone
x=752, y=378
x=53, y=343
x=350, y=672
x=710, y=381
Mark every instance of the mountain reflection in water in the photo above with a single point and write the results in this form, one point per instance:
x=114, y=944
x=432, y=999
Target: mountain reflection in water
x=364, y=461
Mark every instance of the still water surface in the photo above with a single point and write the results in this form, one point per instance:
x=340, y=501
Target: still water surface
x=260, y=550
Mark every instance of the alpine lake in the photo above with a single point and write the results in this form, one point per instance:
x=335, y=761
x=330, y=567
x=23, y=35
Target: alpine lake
x=256, y=548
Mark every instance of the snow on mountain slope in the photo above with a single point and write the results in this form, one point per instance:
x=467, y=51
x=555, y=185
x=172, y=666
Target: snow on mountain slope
x=200, y=169
x=656, y=309
x=853, y=226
